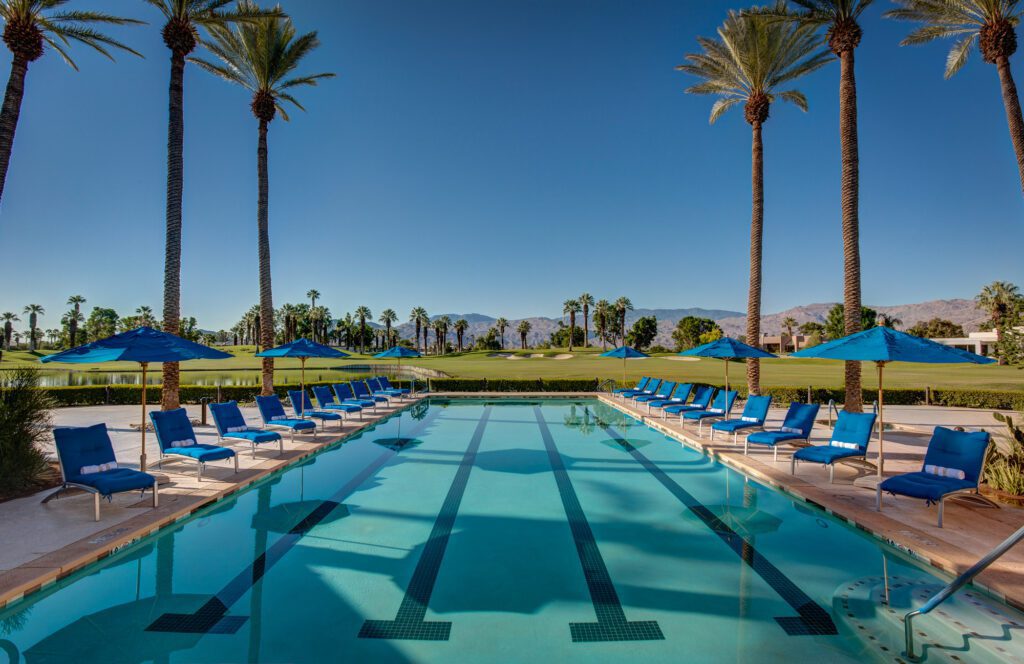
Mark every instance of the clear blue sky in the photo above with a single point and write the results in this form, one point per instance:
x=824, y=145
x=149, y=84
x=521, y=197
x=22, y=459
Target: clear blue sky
x=500, y=157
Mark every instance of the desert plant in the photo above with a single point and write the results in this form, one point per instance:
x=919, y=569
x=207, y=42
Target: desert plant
x=24, y=426
x=1004, y=467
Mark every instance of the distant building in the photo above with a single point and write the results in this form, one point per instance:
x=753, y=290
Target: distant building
x=782, y=343
x=982, y=343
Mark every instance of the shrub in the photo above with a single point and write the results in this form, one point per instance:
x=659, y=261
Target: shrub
x=24, y=423
x=1004, y=467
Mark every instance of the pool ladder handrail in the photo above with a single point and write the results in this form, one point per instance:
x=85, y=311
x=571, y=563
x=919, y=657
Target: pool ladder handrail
x=833, y=408
x=606, y=382
x=957, y=583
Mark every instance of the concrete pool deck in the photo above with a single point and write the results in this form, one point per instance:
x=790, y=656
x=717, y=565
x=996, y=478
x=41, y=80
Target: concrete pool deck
x=54, y=539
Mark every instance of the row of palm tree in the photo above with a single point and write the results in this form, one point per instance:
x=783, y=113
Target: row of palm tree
x=609, y=318
x=760, y=52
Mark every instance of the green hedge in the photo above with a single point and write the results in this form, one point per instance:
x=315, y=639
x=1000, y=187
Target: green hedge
x=98, y=395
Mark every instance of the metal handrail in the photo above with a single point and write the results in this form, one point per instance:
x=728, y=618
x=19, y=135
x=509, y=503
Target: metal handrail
x=832, y=407
x=605, y=382
x=957, y=583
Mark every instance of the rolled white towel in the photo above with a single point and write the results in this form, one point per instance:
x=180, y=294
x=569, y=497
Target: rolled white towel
x=278, y=418
x=237, y=429
x=790, y=430
x=846, y=446
x=955, y=473
x=187, y=442
x=98, y=468
x=749, y=419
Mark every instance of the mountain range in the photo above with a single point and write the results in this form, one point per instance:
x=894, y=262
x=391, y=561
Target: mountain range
x=961, y=311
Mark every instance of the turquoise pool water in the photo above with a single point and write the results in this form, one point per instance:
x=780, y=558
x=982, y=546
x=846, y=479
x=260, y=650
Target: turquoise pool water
x=476, y=531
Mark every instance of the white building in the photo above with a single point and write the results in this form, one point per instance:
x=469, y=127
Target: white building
x=982, y=343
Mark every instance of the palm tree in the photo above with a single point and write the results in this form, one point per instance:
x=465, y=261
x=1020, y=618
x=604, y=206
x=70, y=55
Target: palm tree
x=145, y=315
x=261, y=54
x=362, y=313
x=753, y=57
x=416, y=317
x=9, y=318
x=461, y=326
x=622, y=305
x=523, y=329
x=313, y=294
x=602, y=314
x=571, y=308
x=388, y=317
x=843, y=34
x=441, y=326
x=888, y=320
x=75, y=301
x=990, y=23
x=501, y=325
x=788, y=323
x=999, y=299
x=586, y=301
x=180, y=33
x=33, y=311
x=29, y=27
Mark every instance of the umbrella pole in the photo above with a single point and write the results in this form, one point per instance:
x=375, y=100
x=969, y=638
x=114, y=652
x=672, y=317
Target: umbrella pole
x=881, y=418
x=727, y=378
x=302, y=386
x=142, y=423
x=623, y=371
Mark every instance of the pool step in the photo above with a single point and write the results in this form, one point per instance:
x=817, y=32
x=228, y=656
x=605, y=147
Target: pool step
x=968, y=628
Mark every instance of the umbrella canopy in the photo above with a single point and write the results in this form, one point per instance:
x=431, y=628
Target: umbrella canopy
x=302, y=349
x=626, y=353
x=142, y=345
x=726, y=349
x=882, y=345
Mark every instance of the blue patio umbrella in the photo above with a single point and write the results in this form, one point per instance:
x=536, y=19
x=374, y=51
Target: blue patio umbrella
x=399, y=352
x=302, y=349
x=882, y=345
x=142, y=345
x=626, y=353
x=726, y=349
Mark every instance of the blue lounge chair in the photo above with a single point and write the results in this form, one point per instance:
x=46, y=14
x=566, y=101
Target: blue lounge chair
x=679, y=397
x=640, y=387
x=377, y=389
x=345, y=395
x=386, y=384
x=652, y=387
x=362, y=391
x=231, y=426
x=303, y=407
x=701, y=398
x=849, y=443
x=87, y=462
x=797, y=425
x=719, y=409
x=274, y=416
x=325, y=399
x=755, y=411
x=953, y=467
x=177, y=438
x=662, y=393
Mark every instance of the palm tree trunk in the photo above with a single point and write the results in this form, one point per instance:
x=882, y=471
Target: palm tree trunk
x=756, y=235
x=851, y=220
x=10, y=113
x=172, y=249
x=263, y=242
x=1010, y=101
x=586, y=326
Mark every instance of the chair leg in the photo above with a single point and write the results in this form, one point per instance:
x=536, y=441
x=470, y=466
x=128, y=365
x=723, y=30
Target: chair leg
x=942, y=504
x=831, y=473
x=775, y=452
x=712, y=433
x=156, y=495
x=878, y=498
x=746, y=446
x=96, y=504
x=280, y=444
x=792, y=466
x=199, y=472
x=235, y=457
x=253, y=450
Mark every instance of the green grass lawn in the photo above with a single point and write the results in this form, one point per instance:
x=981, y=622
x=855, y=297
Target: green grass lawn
x=586, y=364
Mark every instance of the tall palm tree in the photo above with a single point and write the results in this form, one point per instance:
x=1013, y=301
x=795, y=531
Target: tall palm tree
x=388, y=317
x=416, y=317
x=460, y=326
x=29, y=27
x=501, y=325
x=75, y=301
x=602, y=317
x=523, y=329
x=363, y=313
x=261, y=54
x=843, y=33
x=180, y=33
x=990, y=23
x=752, y=58
x=788, y=323
x=570, y=308
x=622, y=305
x=999, y=299
x=33, y=311
x=9, y=318
x=586, y=301
x=313, y=294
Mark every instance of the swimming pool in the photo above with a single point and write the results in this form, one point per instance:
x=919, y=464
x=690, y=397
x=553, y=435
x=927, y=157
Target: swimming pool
x=470, y=530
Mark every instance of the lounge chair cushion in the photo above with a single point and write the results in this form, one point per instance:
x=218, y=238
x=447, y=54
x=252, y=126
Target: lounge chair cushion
x=115, y=481
x=344, y=407
x=700, y=415
x=733, y=425
x=296, y=425
x=202, y=452
x=254, y=436
x=924, y=485
x=682, y=408
x=322, y=415
x=826, y=454
x=773, y=437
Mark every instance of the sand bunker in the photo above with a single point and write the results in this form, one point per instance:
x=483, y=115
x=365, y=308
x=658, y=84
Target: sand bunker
x=536, y=355
x=516, y=357
x=505, y=355
x=682, y=359
x=562, y=356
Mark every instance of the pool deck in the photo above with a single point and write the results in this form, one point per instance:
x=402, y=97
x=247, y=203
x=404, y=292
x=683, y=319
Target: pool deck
x=53, y=539
x=56, y=538
x=970, y=531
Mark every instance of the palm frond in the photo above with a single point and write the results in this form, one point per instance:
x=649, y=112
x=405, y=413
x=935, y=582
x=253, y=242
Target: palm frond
x=958, y=54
